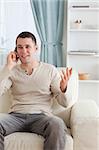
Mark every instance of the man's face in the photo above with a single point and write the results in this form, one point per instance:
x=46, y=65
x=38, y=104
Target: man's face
x=26, y=48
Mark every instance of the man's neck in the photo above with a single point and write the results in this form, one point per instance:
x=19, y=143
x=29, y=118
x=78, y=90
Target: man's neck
x=28, y=67
x=32, y=64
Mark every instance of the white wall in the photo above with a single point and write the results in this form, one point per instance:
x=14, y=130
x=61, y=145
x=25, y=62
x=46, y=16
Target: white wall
x=17, y=18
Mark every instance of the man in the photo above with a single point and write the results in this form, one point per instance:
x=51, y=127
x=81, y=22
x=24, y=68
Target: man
x=33, y=84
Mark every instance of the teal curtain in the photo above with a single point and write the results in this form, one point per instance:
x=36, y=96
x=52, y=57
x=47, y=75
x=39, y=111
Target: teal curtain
x=49, y=16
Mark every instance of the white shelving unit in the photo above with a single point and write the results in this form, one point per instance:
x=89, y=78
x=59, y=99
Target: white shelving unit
x=83, y=45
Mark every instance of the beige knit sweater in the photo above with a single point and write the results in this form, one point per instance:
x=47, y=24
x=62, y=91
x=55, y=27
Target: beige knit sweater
x=32, y=93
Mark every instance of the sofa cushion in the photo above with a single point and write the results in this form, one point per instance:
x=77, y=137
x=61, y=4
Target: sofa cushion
x=30, y=141
x=23, y=141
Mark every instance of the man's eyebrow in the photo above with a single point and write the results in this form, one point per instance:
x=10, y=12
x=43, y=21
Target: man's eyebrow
x=19, y=45
x=23, y=45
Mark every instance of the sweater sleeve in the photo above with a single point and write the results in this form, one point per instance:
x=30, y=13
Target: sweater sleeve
x=5, y=82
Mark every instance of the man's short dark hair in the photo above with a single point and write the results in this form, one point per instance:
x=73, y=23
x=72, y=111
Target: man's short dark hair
x=26, y=34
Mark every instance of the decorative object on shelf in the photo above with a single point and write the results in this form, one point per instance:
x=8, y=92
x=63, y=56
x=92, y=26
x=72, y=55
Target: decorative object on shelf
x=80, y=6
x=84, y=76
x=76, y=24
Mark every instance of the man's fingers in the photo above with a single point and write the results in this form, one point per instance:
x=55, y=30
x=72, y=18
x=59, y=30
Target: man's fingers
x=70, y=71
x=61, y=78
x=65, y=76
x=13, y=55
x=67, y=72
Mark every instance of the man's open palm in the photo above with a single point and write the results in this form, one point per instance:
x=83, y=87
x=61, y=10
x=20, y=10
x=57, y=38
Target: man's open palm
x=64, y=79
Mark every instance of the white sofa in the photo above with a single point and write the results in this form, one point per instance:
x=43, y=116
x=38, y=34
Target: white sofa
x=82, y=121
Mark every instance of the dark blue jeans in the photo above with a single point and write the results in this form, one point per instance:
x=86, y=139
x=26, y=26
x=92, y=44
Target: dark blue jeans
x=52, y=129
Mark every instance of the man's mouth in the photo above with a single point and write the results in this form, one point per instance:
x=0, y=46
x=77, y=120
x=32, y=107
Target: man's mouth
x=25, y=56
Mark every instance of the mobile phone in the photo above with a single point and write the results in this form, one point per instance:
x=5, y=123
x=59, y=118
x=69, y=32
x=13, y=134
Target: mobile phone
x=16, y=53
x=15, y=49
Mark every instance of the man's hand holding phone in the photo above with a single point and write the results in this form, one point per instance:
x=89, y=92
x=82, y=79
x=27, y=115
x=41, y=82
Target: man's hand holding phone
x=12, y=59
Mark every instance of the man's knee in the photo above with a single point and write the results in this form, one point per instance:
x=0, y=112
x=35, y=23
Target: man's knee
x=56, y=125
x=56, y=122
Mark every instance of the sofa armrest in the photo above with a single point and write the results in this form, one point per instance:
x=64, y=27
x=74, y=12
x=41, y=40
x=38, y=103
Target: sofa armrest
x=84, y=124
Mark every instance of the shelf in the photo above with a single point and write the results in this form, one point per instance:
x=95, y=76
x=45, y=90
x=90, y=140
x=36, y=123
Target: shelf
x=84, y=30
x=89, y=81
x=83, y=54
x=88, y=9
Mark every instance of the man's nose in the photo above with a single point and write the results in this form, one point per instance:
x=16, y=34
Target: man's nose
x=24, y=50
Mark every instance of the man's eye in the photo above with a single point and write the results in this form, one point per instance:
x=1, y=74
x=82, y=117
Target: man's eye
x=20, y=47
x=27, y=46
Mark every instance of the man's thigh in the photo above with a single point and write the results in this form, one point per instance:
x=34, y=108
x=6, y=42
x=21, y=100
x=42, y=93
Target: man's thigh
x=41, y=122
x=11, y=123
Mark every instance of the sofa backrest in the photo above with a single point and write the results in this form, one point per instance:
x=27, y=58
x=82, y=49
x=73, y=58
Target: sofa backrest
x=64, y=113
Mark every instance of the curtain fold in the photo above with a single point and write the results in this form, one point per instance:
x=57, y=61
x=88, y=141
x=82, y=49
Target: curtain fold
x=49, y=17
